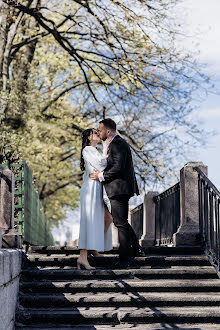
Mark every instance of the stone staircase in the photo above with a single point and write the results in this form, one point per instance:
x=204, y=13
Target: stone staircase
x=175, y=288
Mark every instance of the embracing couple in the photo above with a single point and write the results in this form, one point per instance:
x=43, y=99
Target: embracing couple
x=108, y=183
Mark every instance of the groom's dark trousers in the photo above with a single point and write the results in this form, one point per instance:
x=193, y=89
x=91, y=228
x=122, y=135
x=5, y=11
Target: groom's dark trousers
x=128, y=240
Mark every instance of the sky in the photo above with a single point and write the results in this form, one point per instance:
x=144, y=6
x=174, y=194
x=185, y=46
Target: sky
x=203, y=28
x=200, y=21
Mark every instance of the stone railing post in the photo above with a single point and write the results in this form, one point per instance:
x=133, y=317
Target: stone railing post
x=10, y=239
x=115, y=241
x=148, y=237
x=129, y=214
x=188, y=233
x=0, y=238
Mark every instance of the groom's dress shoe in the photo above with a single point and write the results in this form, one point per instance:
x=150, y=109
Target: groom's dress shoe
x=139, y=252
x=121, y=265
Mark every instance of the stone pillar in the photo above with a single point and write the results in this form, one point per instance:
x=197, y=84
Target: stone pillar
x=148, y=237
x=115, y=241
x=0, y=238
x=188, y=233
x=10, y=270
x=10, y=239
x=129, y=214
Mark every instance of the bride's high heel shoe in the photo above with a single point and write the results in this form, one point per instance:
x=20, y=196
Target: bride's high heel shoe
x=85, y=265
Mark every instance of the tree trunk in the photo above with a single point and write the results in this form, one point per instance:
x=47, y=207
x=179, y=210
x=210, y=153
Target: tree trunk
x=15, y=69
x=5, y=22
x=22, y=70
x=4, y=14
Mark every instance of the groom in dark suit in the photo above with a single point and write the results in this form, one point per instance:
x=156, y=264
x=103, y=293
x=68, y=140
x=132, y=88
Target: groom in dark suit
x=120, y=184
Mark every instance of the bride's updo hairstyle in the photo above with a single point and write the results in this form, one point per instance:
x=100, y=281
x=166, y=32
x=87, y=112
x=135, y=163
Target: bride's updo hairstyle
x=85, y=142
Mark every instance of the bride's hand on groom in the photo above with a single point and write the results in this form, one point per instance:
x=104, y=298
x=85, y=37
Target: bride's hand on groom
x=94, y=175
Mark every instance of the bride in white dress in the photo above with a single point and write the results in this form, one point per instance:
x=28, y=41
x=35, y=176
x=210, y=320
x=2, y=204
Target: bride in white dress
x=95, y=232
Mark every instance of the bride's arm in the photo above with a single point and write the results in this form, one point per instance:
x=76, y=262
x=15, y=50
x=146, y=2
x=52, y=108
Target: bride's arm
x=92, y=156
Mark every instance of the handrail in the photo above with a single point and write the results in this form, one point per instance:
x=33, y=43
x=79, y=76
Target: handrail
x=30, y=221
x=209, y=200
x=136, y=208
x=167, y=192
x=137, y=220
x=203, y=175
x=167, y=215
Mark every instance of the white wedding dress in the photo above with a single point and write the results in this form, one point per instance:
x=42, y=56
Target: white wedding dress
x=91, y=235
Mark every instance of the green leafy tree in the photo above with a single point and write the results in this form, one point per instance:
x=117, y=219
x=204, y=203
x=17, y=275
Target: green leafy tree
x=49, y=139
x=65, y=65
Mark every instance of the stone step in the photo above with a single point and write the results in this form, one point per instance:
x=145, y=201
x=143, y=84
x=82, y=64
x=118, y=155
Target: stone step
x=194, y=250
x=126, y=326
x=67, y=250
x=190, y=272
x=108, y=261
x=95, y=286
x=170, y=287
x=113, y=316
x=128, y=299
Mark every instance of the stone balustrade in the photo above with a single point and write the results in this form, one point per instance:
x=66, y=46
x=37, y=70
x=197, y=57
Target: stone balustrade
x=10, y=259
x=10, y=269
x=10, y=238
x=148, y=237
x=188, y=233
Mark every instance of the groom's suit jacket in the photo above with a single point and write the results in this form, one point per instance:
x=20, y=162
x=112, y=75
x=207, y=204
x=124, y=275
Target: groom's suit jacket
x=119, y=174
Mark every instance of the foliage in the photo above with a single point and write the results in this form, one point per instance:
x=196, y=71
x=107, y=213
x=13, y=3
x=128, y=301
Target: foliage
x=71, y=63
x=48, y=147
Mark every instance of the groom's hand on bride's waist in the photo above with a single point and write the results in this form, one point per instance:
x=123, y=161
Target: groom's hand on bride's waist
x=94, y=175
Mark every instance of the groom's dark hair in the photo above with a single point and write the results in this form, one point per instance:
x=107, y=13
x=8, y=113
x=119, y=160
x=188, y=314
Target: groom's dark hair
x=109, y=123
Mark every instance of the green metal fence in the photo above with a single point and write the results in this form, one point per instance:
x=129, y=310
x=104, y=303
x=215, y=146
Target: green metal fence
x=30, y=220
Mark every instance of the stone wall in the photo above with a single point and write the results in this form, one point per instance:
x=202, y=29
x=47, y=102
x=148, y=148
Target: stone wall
x=10, y=269
x=10, y=259
x=10, y=238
